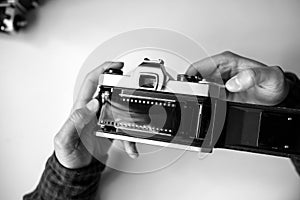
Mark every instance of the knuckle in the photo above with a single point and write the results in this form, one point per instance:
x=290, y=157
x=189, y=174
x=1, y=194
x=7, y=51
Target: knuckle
x=278, y=73
x=57, y=141
x=252, y=74
x=76, y=116
x=248, y=77
x=227, y=53
x=106, y=65
x=278, y=70
x=88, y=75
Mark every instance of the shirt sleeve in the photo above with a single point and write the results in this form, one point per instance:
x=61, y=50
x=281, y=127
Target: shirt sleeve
x=293, y=101
x=293, y=98
x=60, y=183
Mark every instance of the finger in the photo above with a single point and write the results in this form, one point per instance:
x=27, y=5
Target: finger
x=207, y=66
x=265, y=77
x=90, y=83
x=130, y=148
x=71, y=130
x=221, y=66
x=216, y=66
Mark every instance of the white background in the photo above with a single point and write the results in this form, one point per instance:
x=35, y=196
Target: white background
x=38, y=69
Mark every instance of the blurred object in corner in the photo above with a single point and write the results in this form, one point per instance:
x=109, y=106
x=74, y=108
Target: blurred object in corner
x=13, y=14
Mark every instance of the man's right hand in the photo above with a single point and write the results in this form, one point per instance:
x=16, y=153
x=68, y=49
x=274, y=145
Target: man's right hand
x=246, y=80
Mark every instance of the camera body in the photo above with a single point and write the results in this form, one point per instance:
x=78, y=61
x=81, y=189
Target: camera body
x=13, y=14
x=149, y=106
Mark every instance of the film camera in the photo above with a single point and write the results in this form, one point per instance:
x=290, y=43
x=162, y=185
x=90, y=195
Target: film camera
x=13, y=14
x=149, y=106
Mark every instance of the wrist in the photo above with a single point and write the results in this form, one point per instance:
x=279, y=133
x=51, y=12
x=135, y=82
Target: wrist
x=61, y=169
x=72, y=160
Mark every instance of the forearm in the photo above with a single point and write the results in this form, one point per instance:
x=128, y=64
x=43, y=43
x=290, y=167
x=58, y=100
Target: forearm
x=58, y=182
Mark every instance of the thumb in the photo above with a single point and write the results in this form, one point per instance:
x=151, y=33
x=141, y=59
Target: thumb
x=248, y=78
x=81, y=117
x=78, y=119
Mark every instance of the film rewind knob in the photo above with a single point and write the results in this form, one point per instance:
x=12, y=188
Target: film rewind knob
x=113, y=71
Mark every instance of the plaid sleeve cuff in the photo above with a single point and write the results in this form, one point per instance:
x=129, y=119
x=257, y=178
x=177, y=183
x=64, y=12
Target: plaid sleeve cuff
x=58, y=182
x=293, y=101
x=293, y=98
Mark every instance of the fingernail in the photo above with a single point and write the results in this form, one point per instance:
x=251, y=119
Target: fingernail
x=93, y=105
x=233, y=84
x=133, y=155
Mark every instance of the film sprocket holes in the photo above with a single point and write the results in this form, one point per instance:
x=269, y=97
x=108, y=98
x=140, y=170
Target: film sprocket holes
x=149, y=106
